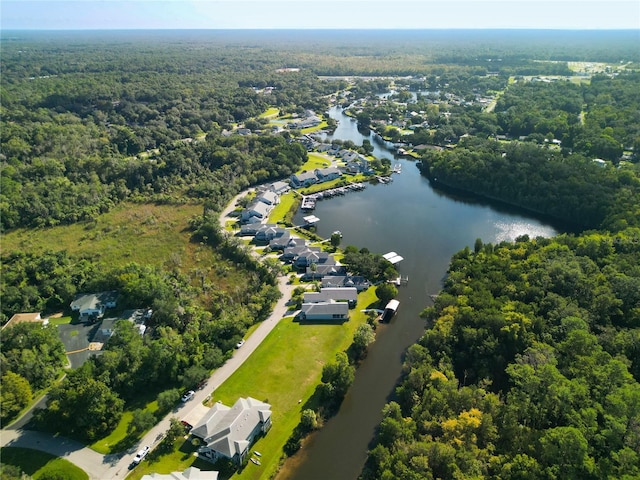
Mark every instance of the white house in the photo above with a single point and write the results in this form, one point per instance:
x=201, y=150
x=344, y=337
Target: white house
x=229, y=432
x=269, y=197
x=279, y=187
x=257, y=210
x=93, y=304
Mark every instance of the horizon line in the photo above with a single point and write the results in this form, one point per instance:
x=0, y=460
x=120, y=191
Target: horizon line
x=628, y=29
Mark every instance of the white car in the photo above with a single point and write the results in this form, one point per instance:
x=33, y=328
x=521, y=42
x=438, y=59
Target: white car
x=188, y=396
x=141, y=454
x=240, y=343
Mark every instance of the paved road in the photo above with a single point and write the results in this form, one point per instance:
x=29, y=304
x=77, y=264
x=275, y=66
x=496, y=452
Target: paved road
x=101, y=467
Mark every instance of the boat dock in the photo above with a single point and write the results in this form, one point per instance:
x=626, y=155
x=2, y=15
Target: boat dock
x=390, y=310
x=400, y=280
x=308, y=203
x=393, y=257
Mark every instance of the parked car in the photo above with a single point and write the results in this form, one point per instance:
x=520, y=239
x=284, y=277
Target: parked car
x=140, y=455
x=240, y=343
x=188, y=396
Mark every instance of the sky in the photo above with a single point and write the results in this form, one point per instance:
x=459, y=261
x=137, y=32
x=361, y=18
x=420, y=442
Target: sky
x=322, y=14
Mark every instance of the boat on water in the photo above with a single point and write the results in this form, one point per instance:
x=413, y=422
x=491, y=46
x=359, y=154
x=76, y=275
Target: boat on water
x=257, y=453
x=337, y=232
x=390, y=310
x=256, y=461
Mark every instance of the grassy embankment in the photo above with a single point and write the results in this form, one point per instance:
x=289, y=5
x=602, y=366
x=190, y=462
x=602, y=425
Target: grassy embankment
x=41, y=466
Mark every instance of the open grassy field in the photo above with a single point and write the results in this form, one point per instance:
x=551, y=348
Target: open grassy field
x=314, y=161
x=142, y=233
x=41, y=466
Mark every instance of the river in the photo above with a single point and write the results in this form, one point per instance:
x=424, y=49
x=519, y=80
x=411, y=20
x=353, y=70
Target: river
x=426, y=227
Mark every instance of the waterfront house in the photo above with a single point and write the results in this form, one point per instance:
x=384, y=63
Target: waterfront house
x=292, y=252
x=324, y=311
x=269, y=233
x=286, y=241
x=360, y=283
x=310, y=257
x=332, y=294
x=229, y=432
x=320, y=271
x=253, y=228
x=327, y=174
x=303, y=179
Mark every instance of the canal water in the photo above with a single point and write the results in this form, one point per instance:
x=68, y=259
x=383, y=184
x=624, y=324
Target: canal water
x=426, y=227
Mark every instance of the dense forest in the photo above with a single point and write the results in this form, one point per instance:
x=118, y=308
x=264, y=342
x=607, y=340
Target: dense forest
x=529, y=368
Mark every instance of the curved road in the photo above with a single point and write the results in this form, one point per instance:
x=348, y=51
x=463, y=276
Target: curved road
x=100, y=467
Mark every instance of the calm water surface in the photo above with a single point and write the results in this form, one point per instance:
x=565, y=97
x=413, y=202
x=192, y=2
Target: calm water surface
x=426, y=227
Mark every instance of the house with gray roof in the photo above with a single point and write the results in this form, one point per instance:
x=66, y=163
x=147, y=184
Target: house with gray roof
x=324, y=311
x=282, y=241
x=303, y=179
x=308, y=258
x=320, y=271
x=332, y=294
x=93, y=305
x=256, y=210
x=359, y=282
x=269, y=197
x=250, y=229
x=269, y=233
x=229, y=432
x=292, y=252
x=327, y=174
x=279, y=187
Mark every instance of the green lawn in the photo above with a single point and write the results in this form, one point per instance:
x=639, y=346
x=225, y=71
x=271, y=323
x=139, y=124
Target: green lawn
x=59, y=320
x=270, y=112
x=314, y=161
x=321, y=126
x=279, y=211
x=177, y=461
x=118, y=440
x=41, y=466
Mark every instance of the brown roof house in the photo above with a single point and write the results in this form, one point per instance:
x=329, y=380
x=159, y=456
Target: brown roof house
x=229, y=432
x=26, y=317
